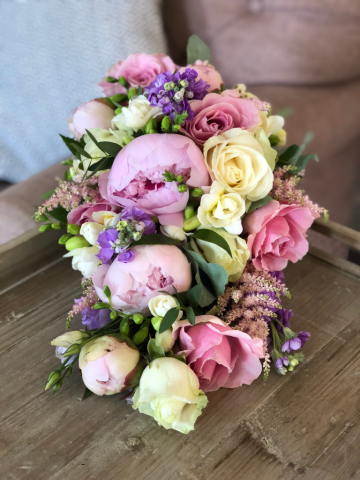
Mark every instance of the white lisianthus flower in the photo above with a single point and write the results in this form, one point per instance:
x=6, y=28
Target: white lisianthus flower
x=106, y=218
x=171, y=231
x=136, y=115
x=91, y=231
x=236, y=160
x=69, y=338
x=165, y=339
x=234, y=265
x=161, y=304
x=222, y=210
x=85, y=260
x=169, y=391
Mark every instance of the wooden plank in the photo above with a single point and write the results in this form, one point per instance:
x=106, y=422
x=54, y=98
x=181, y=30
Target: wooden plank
x=338, y=232
x=28, y=254
x=59, y=437
x=338, y=262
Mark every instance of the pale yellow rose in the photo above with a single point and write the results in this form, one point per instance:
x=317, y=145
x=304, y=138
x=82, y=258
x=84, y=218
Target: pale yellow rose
x=236, y=160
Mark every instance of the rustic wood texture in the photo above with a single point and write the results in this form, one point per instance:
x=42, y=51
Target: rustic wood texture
x=304, y=425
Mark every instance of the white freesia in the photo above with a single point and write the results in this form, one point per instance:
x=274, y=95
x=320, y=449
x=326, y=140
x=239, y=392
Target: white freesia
x=106, y=218
x=91, y=231
x=85, y=260
x=234, y=265
x=169, y=391
x=161, y=304
x=236, y=160
x=165, y=339
x=271, y=124
x=136, y=115
x=222, y=210
x=69, y=338
x=171, y=231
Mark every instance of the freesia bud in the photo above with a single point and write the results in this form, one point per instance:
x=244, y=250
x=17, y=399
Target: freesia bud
x=111, y=79
x=45, y=228
x=70, y=338
x=72, y=350
x=56, y=226
x=197, y=192
x=132, y=92
x=189, y=212
x=73, y=228
x=140, y=336
x=191, y=224
x=138, y=318
x=114, y=315
x=126, y=139
x=76, y=242
x=120, y=97
x=123, y=82
x=64, y=238
x=151, y=126
x=124, y=326
x=166, y=125
x=54, y=377
x=118, y=111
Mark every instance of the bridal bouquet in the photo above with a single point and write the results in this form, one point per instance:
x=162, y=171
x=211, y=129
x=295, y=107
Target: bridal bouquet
x=182, y=210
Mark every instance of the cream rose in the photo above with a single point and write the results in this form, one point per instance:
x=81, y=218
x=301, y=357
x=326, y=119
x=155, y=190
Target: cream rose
x=213, y=254
x=136, y=115
x=169, y=391
x=236, y=160
x=222, y=209
x=161, y=304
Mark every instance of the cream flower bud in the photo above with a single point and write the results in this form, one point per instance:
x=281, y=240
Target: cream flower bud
x=165, y=339
x=69, y=338
x=177, y=233
x=106, y=218
x=136, y=115
x=161, y=304
x=85, y=260
x=91, y=231
x=222, y=210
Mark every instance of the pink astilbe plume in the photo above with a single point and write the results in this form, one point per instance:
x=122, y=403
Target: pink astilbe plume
x=88, y=300
x=70, y=195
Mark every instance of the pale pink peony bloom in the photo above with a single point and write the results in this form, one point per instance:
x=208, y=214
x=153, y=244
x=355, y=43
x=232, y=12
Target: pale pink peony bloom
x=83, y=213
x=219, y=355
x=93, y=114
x=216, y=114
x=138, y=69
x=136, y=177
x=109, y=365
x=277, y=234
x=207, y=72
x=133, y=284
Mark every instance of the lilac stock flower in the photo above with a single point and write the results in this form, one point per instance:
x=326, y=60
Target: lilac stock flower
x=95, y=318
x=106, y=241
x=303, y=337
x=282, y=362
x=172, y=92
x=137, y=214
x=126, y=257
x=291, y=344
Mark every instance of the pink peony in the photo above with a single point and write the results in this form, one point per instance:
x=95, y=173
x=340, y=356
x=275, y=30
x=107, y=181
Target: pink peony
x=219, y=355
x=216, y=114
x=277, y=234
x=136, y=177
x=138, y=69
x=93, y=114
x=83, y=213
x=207, y=72
x=109, y=365
x=132, y=285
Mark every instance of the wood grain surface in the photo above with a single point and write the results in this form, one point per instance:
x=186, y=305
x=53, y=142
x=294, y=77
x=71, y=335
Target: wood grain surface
x=305, y=425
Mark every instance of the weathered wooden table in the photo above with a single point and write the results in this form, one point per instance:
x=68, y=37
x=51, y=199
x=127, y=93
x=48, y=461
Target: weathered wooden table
x=304, y=425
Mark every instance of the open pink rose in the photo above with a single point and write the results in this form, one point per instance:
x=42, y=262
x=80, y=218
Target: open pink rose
x=83, y=213
x=207, y=72
x=136, y=177
x=277, y=234
x=138, y=69
x=93, y=114
x=219, y=355
x=216, y=114
x=133, y=284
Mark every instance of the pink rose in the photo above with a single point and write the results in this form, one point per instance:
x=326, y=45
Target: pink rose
x=93, y=114
x=277, y=234
x=138, y=69
x=216, y=114
x=219, y=355
x=133, y=284
x=83, y=213
x=207, y=72
x=109, y=365
x=136, y=177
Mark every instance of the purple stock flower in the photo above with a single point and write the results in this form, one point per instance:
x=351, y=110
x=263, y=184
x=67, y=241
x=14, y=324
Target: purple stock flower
x=292, y=344
x=126, y=257
x=137, y=214
x=95, y=318
x=106, y=240
x=282, y=362
x=303, y=337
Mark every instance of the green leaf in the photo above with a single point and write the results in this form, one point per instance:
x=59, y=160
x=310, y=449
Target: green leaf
x=193, y=295
x=286, y=112
x=303, y=161
x=107, y=101
x=206, y=296
x=102, y=164
x=81, y=151
x=154, y=350
x=190, y=315
x=170, y=317
x=69, y=142
x=59, y=213
x=47, y=194
x=155, y=239
x=212, y=237
x=259, y=203
x=93, y=139
x=289, y=155
x=171, y=354
x=87, y=394
x=217, y=275
x=197, y=50
x=110, y=148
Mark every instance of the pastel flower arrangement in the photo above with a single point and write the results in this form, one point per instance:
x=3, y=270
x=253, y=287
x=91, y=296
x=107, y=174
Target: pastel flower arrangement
x=182, y=211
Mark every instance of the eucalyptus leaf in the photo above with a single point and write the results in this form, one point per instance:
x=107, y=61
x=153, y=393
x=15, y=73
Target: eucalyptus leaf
x=303, y=161
x=81, y=151
x=193, y=295
x=259, y=203
x=155, y=239
x=217, y=275
x=102, y=164
x=93, y=139
x=190, y=315
x=197, y=50
x=212, y=237
x=154, y=350
x=170, y=317
x=110, y=148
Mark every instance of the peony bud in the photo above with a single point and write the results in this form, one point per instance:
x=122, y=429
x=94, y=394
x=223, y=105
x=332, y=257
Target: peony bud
x=76, y=242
